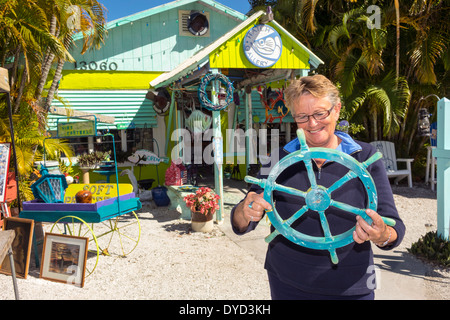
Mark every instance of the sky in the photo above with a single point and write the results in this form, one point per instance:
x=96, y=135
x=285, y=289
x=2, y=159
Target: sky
x=122, y=8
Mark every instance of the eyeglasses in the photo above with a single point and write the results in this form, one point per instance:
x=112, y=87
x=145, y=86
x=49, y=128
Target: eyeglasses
x=321, y=115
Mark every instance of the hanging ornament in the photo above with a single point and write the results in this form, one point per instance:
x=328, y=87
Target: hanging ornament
x=161, y=101
x=203, y=97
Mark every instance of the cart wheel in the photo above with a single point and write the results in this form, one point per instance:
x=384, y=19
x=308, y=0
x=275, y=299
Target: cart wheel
x=74, y=226
x=124, y=229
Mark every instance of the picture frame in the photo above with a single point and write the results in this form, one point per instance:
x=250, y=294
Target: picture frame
x=5, y=154
x=21, y=246
x=64, y=258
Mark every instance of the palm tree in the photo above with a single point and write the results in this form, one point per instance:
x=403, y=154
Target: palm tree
x=33, y=35
x=29, y=144
x=411, y=41
x=23, y=32
x=91, y=15
x=381, y=104
x=376, y=98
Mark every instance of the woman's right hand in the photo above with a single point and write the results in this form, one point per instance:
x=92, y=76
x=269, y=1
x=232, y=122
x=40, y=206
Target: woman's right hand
x=251, y=209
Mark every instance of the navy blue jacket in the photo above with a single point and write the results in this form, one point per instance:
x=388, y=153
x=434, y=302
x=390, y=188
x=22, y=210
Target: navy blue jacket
x=312, y=270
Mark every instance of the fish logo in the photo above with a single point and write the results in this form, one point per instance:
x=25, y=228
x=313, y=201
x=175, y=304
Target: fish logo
x=262, y=46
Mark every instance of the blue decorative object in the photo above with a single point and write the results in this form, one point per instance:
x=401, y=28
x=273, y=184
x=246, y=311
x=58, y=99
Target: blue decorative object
x=203, y=97
x=160, y=196
x=318, y=198
x=49, y=188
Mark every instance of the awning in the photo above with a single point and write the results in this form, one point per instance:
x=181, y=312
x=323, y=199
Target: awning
x=129, y=108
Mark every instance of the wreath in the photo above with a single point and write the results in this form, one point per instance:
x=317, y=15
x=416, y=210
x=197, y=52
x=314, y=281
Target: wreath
x=203, y=97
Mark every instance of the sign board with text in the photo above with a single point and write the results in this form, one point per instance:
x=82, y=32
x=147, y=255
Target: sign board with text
x=77, y=129
x=100, y=191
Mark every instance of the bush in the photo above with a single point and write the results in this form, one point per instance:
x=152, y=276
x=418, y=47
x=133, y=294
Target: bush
x=432, y=248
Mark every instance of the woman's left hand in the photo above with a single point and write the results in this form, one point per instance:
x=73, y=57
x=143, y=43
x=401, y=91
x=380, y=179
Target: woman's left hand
x=378, y=232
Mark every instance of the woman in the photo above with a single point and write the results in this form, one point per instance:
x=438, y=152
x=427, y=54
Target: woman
x=296, y=272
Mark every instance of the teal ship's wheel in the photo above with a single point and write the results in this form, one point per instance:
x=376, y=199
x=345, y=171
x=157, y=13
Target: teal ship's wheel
x=317, y=197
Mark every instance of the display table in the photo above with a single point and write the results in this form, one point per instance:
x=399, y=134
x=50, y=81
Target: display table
x=6, y=239
x=107, y=173
x=176, y=195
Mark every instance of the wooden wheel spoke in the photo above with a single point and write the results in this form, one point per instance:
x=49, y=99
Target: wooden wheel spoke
x=296, y=215
x=347, y=207
x=349, y=176
x=311, y=174
x=325, y=225
x=289, y=190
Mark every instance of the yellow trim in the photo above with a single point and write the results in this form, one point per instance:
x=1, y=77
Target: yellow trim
x=108, y=80
x=231, y=53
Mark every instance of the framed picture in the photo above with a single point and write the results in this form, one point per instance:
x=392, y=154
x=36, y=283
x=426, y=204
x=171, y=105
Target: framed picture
x=64, y=258
x=21, y=246
x=5, y=151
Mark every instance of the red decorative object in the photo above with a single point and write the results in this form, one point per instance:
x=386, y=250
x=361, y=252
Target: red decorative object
x=11, y=187
x=275, y=100
x=176, y=175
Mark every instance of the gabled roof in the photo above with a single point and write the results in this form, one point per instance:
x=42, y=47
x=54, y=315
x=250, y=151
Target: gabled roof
x=168, y=6
x=200, y=59
x=175, y=4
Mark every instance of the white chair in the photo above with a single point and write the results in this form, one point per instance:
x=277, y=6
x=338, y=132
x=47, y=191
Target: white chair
x=430, y=171
x=390, y=160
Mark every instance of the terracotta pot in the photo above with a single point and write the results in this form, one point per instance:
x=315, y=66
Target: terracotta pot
x=201, y=222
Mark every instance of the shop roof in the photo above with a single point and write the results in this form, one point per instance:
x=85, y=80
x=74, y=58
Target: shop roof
x=200, y=63
x=168, y=6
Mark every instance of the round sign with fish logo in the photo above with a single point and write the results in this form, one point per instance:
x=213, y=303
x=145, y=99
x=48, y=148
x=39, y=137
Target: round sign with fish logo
x=262, y=46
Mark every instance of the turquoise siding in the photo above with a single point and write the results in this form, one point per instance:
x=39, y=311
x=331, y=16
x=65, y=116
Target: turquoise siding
x=126, y=106
x=151, y=43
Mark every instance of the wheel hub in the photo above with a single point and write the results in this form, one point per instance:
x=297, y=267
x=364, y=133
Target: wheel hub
x=318, y=199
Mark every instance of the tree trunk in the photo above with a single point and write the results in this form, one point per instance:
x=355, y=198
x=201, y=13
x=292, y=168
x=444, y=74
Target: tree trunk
x=55, y=83
x=375, y=125
x=46, y=63
x=15, y=67
x=23, y=82
x=45, y=69
x=397, y=56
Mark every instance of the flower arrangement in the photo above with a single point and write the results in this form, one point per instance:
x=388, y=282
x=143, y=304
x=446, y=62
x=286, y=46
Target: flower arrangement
x=204, y=200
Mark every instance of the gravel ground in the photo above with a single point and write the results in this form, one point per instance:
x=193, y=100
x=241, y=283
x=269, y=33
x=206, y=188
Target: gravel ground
x=171, y=262
x=418, y=208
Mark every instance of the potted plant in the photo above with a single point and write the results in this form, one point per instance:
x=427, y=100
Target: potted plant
x=91, y=160
x=87, y=161
x=203, y=204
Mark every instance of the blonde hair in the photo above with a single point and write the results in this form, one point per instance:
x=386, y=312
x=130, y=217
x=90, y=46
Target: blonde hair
x=317, y=85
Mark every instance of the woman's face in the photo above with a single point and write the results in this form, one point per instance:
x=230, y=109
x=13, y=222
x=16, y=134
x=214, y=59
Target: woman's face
x=318, y=133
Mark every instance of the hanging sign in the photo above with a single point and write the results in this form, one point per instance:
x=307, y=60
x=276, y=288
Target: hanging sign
x=218, y=150
x=76, y=129
x=99, y=191
x=126, y=125
x=262, y=46
x=146, y=157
